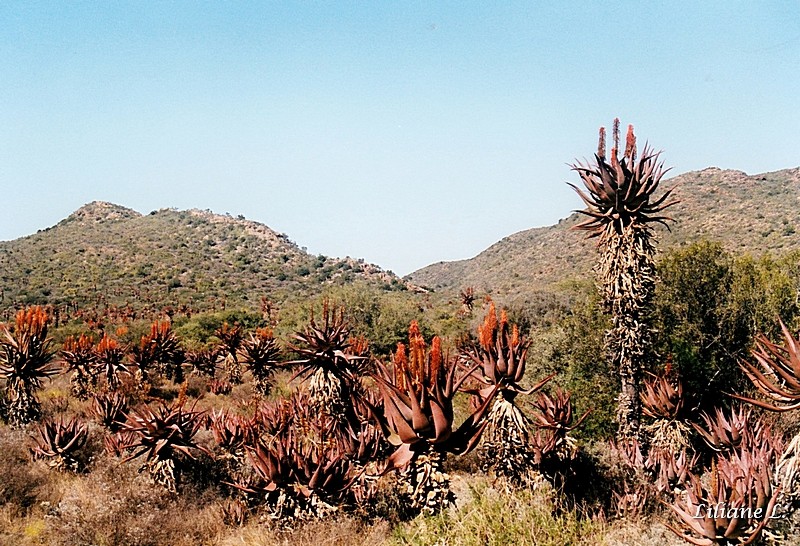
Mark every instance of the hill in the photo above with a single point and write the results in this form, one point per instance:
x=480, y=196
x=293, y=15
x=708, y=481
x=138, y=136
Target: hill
x=746, y=213
x=108, y=254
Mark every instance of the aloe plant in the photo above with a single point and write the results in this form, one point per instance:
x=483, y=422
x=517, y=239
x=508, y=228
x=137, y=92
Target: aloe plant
x=159, y=350
x=230, y=340
x=622, y=207
x=735, y=505
x=554, y=414
x=329, y=361
x=204, y=361
x=418, y=405
x=303, y=469
x=79, y=357
x=25, y=355
x=110, y=362
x=500, y=354
x=165, y=436
x=779, y=380
x=232, y=433
x=663, y=402
x=725, y=433
x=110, y=410
x=59, y=443
x=260, y=353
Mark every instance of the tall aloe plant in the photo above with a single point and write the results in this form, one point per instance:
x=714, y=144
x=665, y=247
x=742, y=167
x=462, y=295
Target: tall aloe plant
x=622, y=207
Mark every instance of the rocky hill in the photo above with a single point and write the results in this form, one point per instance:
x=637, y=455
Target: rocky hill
x=747, y=213
x=108, y=254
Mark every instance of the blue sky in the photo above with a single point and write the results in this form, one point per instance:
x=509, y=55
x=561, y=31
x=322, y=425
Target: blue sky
x=403, y=133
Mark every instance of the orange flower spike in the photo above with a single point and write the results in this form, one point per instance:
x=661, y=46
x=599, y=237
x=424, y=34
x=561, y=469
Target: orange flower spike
x=400, y=366
x=359, y=345
x=630, y=144
x=486, y=332
x=435, y=359
x=503, y=327
x=106, y=344
x=33, y=319
x=417, y=352
x=121, y=331
x=601, y=144
x=265, y=333
x=514, y=336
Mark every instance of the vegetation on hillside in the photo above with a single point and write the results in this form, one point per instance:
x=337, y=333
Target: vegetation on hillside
x=105, y=256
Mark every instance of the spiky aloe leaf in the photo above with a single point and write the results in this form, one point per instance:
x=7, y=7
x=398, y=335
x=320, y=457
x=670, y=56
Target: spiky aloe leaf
x=780, y=379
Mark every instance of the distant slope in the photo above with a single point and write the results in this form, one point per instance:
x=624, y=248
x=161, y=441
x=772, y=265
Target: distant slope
x=746, y=213
x=105, y=253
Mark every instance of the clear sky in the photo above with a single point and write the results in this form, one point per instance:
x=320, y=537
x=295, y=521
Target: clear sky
x=404, y=133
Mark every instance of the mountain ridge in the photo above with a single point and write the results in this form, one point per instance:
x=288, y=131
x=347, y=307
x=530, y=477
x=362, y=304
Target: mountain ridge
x=712, y=201
x=108, y=254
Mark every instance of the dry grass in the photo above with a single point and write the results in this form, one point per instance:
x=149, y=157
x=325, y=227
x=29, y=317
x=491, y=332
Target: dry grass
x=342, y=531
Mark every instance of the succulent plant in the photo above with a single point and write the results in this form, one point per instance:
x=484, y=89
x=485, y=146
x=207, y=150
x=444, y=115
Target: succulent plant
x=663, y=402
x=25, y=355
x=110, y=410
x=165, y=436
x=500, y=356
x=159, y=350
x=726, y=432
x=780, y=379
x=662, y=398
x=80, y=358
x=329, y=361
x=671, y=469
x=467, y=296
x=260, y=354
x=303, y=470
x=418, y=405
x=554, y=413
x=230, y=338
x=118, y=443
x=736, y=504
x=60, y=442
x=220, y=387
x=110, y=363
x=204, y=361
x=621, y=205
x=232, y=433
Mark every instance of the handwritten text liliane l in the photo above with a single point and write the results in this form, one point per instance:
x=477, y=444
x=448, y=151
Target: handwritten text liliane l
x=722, y=510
